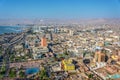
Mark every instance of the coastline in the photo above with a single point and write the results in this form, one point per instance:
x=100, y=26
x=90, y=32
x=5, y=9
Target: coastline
x=10, y=29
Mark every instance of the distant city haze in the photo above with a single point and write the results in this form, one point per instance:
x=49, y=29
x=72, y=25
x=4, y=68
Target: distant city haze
x=59, y=9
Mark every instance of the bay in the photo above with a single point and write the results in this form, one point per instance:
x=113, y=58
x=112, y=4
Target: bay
x=10, y=29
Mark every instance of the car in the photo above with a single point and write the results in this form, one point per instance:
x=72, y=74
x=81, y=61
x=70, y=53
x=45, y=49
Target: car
x=86, y=61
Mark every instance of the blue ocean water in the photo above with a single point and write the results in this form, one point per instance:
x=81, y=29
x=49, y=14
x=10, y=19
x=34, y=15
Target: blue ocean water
x=10, y=29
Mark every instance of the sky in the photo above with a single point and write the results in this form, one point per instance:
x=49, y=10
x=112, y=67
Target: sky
x=59, y=9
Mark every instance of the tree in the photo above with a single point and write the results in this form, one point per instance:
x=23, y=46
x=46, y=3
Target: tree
x=43, y=75
x=21, y=74
x=2, y=71
x=12, y=73
x=90, y=75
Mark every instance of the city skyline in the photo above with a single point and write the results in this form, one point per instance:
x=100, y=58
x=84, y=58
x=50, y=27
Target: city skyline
x=60, y=9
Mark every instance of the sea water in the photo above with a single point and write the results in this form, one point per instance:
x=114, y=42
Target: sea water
x=10, y=29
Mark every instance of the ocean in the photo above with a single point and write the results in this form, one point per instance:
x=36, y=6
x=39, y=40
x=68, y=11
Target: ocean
x=10, y=29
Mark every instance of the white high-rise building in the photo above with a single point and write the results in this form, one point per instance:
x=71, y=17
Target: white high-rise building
x=39, y=28
x=71, y=32
x=36, y=28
